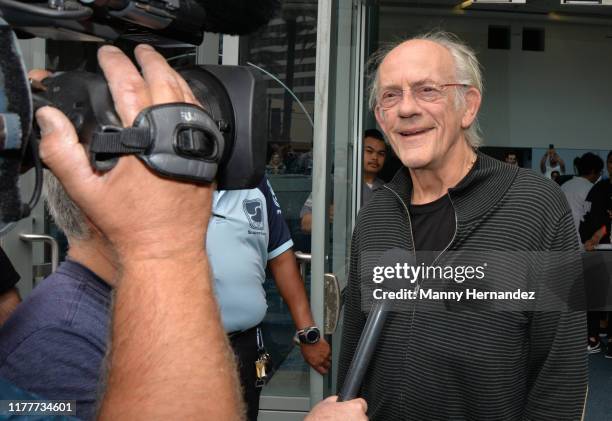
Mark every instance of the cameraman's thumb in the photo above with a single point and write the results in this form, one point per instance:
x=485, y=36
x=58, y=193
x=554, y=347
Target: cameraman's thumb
x=59, y=147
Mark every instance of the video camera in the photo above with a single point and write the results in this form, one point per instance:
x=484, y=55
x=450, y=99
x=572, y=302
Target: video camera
x=225, y=143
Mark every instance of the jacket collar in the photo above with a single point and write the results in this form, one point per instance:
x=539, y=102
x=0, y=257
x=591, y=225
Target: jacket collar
x=480, y=190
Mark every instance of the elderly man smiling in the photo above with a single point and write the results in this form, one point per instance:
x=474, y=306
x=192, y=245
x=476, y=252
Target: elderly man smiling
x=448, y=197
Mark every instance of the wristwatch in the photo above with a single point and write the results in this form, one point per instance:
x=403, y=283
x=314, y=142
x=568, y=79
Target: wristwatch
x=309, y=335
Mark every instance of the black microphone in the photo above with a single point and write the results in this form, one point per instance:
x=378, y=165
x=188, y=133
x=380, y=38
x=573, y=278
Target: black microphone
x=374, y=324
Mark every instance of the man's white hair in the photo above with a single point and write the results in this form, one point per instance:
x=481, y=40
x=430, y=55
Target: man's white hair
x=467, y=71
x=67, y=216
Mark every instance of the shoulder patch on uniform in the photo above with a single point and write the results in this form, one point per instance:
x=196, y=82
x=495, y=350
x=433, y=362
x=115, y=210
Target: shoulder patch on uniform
x=253, y=209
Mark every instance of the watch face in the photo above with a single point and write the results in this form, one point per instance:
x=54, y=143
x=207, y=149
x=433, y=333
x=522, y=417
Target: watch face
x=312, y=336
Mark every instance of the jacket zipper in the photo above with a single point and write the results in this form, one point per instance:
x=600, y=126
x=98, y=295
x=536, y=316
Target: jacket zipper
x=417, y=287
x=454, y=234
x=412, y=235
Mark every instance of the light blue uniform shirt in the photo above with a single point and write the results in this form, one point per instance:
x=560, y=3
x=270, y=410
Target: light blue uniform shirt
x=247, y=229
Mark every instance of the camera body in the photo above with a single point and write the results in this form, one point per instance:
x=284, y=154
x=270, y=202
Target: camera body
x=229, y=94
x=233, y=97
x=170, y=23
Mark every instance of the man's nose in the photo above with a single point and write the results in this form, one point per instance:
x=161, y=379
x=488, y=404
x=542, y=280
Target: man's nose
x=408, y=106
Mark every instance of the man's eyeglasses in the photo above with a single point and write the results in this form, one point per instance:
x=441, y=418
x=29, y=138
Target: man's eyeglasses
x=427, y=92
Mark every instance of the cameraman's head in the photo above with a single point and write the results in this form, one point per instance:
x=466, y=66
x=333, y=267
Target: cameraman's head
x=86, y=245
x=67, y=216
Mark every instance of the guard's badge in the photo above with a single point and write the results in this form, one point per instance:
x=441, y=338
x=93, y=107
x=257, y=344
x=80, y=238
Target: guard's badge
x=253, y=209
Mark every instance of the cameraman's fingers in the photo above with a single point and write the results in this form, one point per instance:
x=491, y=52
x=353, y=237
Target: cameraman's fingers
x=164, y=83
x=39, y=74
x=129, y=90
x=188, y=95
x=60, y=148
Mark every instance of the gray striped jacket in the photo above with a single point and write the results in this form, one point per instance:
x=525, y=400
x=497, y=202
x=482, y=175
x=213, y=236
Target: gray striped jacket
x=474, y=363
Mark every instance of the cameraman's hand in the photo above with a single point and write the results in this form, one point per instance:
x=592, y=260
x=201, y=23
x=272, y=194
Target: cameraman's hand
x=143, y=215
x=331, y=410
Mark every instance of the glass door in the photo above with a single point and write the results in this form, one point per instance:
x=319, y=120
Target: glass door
x=311, y=56
x=284, y=53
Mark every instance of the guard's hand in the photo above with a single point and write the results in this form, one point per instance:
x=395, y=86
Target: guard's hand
x=331, y=410
x=318, y=355
x=143, y=215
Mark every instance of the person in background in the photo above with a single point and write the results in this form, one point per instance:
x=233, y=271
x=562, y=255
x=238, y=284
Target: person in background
x=248, y=224
x=374, y=155
x=275, y=165
x=510, y=158
x=595, y=230
x=556, y=177
x=551, y=162
x=589, y=167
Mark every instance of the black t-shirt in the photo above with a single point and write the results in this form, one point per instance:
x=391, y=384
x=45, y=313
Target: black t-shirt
x=600, y=207
x=433, y=227
x=8, y=276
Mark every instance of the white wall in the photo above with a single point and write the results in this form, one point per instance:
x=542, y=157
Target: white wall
x=561, y=96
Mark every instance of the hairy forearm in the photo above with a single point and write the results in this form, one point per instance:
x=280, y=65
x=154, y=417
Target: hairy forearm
x=291, y=287
x=170, y=357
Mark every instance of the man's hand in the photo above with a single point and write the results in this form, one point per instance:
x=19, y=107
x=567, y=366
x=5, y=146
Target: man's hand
x=135, y=209
x=591, y=243
x=331, y=410
x=318, y=355
x=169, y=356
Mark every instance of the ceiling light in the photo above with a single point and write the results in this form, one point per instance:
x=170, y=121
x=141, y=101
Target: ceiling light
x=587, y=2
x=501, y=1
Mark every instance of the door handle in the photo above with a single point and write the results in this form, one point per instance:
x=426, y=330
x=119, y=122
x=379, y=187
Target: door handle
x=331, y=293
x=332, y=303
x=303, y=259
x=43, y=270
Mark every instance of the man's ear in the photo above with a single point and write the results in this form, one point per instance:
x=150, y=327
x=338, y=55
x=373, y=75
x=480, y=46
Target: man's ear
x=472, y=105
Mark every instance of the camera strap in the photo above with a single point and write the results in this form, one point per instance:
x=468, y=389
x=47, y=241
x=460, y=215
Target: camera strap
x=129, y=140
x=178, y=140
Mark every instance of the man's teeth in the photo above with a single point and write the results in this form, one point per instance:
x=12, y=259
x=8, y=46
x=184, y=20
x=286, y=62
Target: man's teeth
x=414, y=132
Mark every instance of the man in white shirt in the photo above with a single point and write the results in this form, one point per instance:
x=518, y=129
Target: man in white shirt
x=589, y=170
x=551, y=162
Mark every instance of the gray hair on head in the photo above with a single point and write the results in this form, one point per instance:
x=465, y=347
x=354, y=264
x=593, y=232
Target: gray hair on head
x=67, y=216
x=467, y=71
